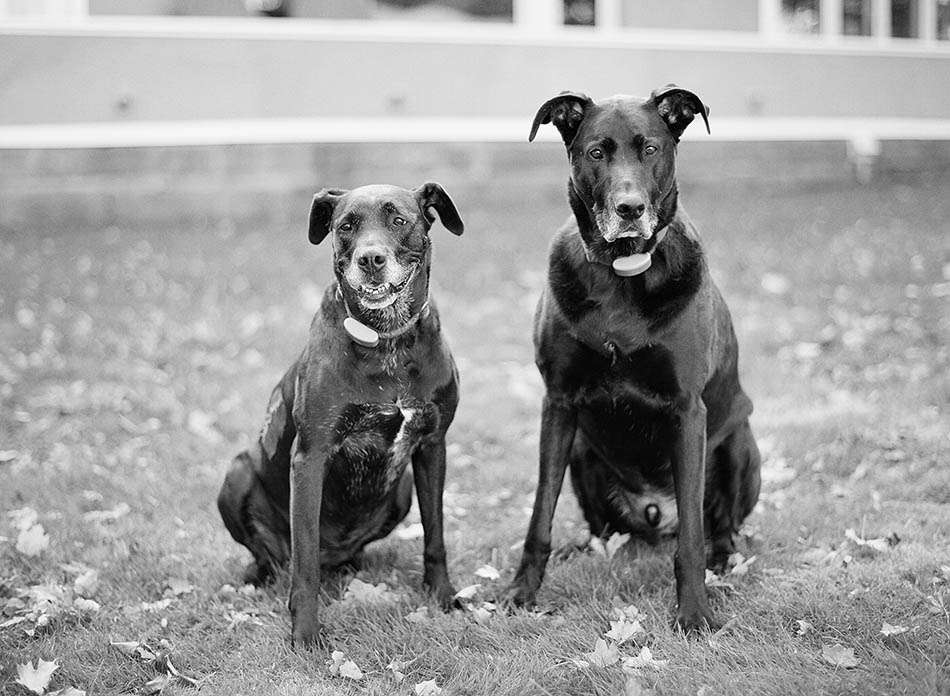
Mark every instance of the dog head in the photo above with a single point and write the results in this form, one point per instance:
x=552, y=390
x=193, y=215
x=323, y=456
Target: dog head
x=622, y=153
x=380, y=236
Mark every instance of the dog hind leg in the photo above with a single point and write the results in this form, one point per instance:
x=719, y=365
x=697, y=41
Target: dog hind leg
x=732, y=489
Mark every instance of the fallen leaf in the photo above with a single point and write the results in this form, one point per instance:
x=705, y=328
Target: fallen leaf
x=488, y=572
x=86, y=606
x=467, y=592
x=8, y=456
x=427, y=688
x=893, y=630
x=839, y=656
x=878, y=545
x=409, y=532
x=775, y=283
x=623, y=630
x=177, y=586
x=32, y=541
x=803, y=627
x=36, y=679
x=134, y=649
x=713, y=580
x=614, y=544
x=628, y=613
x=418, y=616
x=157, y=684
x=359, y=591
x=742, y=564
x=120, y=510
x=603, y=655
x=86, y=584
x=23, y=518
x=398, y=667
x=643, y=660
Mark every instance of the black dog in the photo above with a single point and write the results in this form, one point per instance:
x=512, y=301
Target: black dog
x=375, y=387
x=637, y=351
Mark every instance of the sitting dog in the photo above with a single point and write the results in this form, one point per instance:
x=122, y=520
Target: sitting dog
x=637, y=352
x=375, y=388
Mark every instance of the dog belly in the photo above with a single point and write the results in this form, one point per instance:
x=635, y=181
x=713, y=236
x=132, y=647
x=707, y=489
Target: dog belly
x=623, y=482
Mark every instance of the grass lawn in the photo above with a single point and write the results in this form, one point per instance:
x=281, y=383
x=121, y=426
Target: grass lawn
x=135, y=363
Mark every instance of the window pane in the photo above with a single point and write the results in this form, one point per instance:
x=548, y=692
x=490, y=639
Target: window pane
x=801, y=16
x=856, y=17
x=943, y=20
x=579, y=12
x=728, y=15
x=904, y=21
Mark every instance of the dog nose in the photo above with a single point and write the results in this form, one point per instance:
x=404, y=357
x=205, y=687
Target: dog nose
x=630, y=208
x=371, y=260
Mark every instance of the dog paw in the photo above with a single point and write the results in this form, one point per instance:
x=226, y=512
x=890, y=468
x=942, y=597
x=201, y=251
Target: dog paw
x=519, y=595
x=307, y=635
x=695, y=620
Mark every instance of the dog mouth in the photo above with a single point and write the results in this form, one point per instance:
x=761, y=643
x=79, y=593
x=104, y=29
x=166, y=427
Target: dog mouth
x=383, y=294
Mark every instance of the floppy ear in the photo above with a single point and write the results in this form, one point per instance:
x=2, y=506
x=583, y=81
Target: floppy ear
x=431, y=195
x=321, y=213
x=678, y=107
x=565, y=111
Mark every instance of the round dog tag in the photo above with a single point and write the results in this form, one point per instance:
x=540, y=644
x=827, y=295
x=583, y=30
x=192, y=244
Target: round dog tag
x=632, y=265
x=361, y=333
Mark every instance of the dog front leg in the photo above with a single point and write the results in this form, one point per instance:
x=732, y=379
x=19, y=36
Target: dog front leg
x=558, y=423
x=428, y=471
x=306, y=495
x=689, y=463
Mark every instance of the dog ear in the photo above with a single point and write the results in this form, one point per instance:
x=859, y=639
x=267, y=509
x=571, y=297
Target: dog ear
x=565, y=111
x=678, y=107
x=431, y=195
x=321, y=213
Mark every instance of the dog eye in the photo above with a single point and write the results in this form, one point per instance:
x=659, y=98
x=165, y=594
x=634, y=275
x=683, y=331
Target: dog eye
x=595, y=153
x=399, y=221
x=346, y=227
x=650, y=150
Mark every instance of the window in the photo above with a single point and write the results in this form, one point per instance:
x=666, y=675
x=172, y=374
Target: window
x=579, y=13
x=904, y=19
x=802, y=16
x=943, y=20
x=856, y=17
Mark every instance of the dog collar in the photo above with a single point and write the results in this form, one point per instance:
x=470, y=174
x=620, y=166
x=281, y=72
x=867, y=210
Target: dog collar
x=368, y=337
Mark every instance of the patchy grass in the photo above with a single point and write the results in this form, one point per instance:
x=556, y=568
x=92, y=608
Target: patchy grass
x=135, y=363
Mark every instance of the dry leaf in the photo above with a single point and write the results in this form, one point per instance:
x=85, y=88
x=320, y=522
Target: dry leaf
x=398, y=667
x=623, y=630
x=177, y=587
x=428, y=688
x=120, y=510
x=467, y=592
x=409, y=532
x=23, y=518
x=603, y=655
x=893, y=630
x=608, y=548
x=839, y=656
x=741, y=564
x=879, y=544
x=418, y=616
x=488, y=572
x=87, y=583
x=32, y=541
x=359, y=591
x=87, y=606
x=643, y=660
x=36, y=679
x=803, y=627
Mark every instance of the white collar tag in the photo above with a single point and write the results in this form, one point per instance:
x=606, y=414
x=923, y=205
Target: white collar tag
x=361, y=333
x=635, y=264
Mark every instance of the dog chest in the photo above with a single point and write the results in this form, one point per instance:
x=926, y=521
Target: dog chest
x=372, y=446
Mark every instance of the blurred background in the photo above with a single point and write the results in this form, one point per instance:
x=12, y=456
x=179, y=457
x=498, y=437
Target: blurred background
x=177, y=111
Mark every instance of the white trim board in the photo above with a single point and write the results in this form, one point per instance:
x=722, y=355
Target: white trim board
x=470, y=33
x=433, y=130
